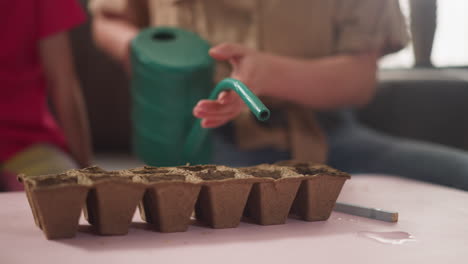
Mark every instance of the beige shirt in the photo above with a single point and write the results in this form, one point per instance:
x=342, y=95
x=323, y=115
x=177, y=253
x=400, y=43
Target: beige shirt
x=296, y=28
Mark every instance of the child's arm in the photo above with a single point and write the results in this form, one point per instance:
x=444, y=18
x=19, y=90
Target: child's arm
x=65, y=92
x=326, y=83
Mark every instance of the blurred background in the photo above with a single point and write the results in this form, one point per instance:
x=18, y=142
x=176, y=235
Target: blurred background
x=422, y=89
x=450, y=39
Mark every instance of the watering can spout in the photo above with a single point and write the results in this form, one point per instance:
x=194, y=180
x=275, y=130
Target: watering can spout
x=198, y=135
x=251, y=100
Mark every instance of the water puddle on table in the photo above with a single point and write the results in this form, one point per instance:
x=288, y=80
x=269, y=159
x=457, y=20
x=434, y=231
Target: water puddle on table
x=344, y=219
x=393, y=238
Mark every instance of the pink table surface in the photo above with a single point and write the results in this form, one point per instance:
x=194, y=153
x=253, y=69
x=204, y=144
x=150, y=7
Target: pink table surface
x=436, y=217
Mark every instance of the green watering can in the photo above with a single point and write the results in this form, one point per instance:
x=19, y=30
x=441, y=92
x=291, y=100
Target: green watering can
x=171, y=72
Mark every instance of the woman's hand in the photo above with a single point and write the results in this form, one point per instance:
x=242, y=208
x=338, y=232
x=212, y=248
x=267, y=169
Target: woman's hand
x=248, y=66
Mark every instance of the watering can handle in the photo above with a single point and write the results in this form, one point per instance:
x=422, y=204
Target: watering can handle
x=198, y=134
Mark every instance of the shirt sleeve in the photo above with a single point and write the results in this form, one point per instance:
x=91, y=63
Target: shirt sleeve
x=55, y=16
x=364, y=25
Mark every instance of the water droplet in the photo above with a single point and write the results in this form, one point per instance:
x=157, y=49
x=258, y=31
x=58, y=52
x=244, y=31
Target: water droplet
x=394, y=238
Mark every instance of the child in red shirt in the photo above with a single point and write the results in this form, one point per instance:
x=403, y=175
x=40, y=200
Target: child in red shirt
x=36, y=64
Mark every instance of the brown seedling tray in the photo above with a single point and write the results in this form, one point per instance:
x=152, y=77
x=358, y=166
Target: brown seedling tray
x=319, y=190
x=169, y=199
x=223, y=195
x=56, y=202
x=270, y=200
x=112, y=200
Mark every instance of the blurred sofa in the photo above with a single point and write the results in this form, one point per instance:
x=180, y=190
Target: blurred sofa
x=423, y=104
